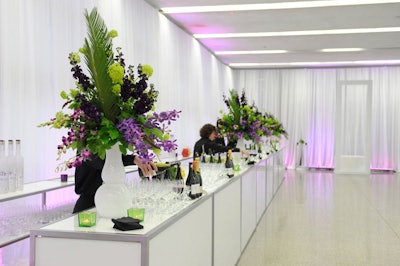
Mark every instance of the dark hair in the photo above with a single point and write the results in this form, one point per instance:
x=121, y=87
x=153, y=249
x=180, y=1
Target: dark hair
x=207, y=130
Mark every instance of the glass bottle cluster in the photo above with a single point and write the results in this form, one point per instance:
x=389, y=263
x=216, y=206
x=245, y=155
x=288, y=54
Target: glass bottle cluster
x=11, y=167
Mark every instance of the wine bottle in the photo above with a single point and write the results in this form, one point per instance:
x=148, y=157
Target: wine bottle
x=12, y=178
x=178, y=180
x=190, y=175
x=178, y=172
x=3, y=169
x=219, y=158
x=211, y=153
x=203, y=155
x=191, y=183
x=167, y=174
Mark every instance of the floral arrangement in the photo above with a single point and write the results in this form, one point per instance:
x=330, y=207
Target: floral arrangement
x=275, y=127
x=112, y=105
x=301, y=142
x=244, y=121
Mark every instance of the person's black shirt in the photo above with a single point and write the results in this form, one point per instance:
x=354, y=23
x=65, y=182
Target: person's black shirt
x=220, y=141
x=210, y=145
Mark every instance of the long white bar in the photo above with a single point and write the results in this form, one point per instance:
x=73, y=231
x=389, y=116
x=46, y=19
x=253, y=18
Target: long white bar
x=212, y=230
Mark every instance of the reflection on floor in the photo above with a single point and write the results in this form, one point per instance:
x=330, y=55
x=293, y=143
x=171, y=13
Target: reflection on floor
x=319, y=218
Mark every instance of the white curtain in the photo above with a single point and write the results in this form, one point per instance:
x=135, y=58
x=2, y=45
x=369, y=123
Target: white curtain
x=35, y=40
x=37, y=36
x=305, y=101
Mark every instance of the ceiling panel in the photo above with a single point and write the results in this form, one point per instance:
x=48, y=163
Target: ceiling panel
x=175, y=3
x=368, y=41
x=290, y=20
x=305, y=48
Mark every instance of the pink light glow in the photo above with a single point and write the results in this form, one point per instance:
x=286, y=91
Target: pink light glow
x=195, y=24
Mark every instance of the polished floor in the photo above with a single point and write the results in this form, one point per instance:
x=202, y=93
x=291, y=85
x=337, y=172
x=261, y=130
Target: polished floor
x=319, y=218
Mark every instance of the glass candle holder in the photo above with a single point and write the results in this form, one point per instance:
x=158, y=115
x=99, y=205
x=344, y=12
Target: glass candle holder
x=64, y=178
x=136, y=213
x=87, y=218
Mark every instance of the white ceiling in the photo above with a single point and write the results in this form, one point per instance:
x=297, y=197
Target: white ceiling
x=305, y=48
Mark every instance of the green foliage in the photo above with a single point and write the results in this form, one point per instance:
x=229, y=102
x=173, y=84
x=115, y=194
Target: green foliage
x=99, y=56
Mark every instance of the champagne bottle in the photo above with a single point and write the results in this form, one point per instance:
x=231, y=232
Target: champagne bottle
x=196, y=171
x=193, y=182
x=12, y=177
x=229, y=163
x=3, y=169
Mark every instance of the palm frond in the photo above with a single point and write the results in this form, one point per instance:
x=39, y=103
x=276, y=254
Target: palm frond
x=235, y=107
x=99, y=56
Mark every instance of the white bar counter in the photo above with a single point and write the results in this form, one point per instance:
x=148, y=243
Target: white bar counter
x=211, y=230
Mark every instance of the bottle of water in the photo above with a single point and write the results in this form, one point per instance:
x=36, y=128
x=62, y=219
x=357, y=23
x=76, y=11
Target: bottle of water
x=3, y=169
x=19, y=161
x=12, y=177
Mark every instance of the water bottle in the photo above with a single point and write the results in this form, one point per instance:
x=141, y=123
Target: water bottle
x=19, y=161
x=3, y=169
x=12, y=177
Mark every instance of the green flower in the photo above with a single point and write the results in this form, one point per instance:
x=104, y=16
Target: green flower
x=147, y=70
x=82, y=50
x=165, y=137
x=116, y=89
x=74, y=58
x=60, y=115
x=64, y=95
x=73, y=93
x=61, y=120
x=116, y=73
x=113, y=33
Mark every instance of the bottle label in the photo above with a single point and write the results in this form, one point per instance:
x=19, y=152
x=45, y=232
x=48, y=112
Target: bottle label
x=195, y=188
x=3, y=182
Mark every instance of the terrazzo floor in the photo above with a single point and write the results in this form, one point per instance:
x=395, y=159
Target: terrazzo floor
x=320, y=218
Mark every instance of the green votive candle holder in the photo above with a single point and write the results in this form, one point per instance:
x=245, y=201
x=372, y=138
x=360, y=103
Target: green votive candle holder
x=87, y=218
x=136, y=213
x=236, y=167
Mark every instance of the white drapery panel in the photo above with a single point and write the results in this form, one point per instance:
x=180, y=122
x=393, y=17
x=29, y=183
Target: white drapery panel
x=35, y=40
x=305, y=101
x=354, y=110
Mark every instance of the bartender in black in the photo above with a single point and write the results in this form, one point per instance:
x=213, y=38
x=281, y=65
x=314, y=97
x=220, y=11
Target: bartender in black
x=207, y=143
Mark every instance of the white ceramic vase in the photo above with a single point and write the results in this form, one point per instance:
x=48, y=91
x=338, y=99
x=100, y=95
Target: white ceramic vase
x=113, y=198
x=240, y=143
